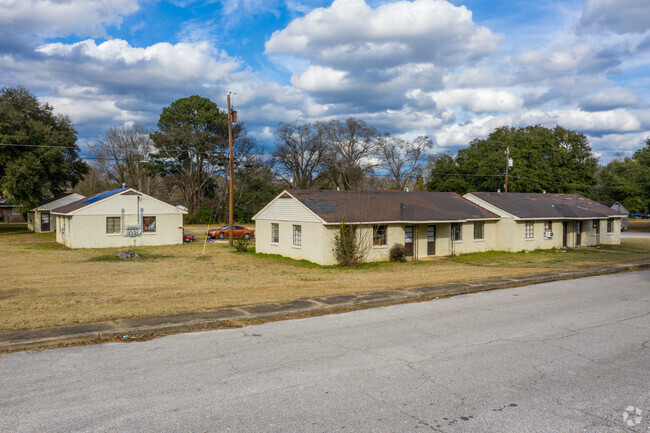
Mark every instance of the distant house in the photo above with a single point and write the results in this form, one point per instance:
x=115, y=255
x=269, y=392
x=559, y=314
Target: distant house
x=302, y=224
x=625, y=221
x=540, y=221
x=121, y=217
x=39, y=218
x=10, y=213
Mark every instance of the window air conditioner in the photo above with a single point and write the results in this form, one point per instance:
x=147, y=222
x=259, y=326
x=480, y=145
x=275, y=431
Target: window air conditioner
x=548, y=234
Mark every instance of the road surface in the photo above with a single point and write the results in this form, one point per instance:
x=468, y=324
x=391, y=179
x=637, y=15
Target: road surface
x=560, y=357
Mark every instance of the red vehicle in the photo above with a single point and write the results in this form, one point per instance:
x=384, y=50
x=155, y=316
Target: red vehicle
x=237, y=232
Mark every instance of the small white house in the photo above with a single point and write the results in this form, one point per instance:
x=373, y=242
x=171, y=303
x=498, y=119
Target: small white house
x=530, y=221
x=122, y=217
x=303, y=224
x=39, y=219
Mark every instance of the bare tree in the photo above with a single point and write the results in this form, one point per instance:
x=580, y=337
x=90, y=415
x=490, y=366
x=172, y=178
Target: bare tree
x=299, y=154
x=121, y=154
x=351, y=147
x=403, y=159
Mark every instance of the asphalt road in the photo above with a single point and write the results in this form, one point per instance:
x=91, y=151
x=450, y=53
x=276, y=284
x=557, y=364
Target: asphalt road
x=560, y=357
x=635, y=235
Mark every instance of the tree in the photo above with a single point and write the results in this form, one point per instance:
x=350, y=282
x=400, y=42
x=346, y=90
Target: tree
x=121, y=155
x=39, y=156
x=553, y=160
x=299, y=153
x=627, y=180
x=190, y=144
x=351, y=147
x=445, y=175
x=403, y=159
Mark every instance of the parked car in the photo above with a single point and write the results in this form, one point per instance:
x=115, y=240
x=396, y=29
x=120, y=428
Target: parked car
x=646, y=215
x=636, y=214
x=237, y=232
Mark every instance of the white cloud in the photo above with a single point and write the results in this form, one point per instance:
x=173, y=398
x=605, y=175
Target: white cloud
x=49, y=18
x=476, y=100
x=608, y=99
x=351, y=34
x=163, y=61
x=619, y=16
x=322, y=79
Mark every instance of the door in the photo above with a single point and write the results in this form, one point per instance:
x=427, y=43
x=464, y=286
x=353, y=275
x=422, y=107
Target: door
x=565, y=230
x=408, y=240
x=596, y=229
x=45, y=222
x=578, y=233
x=431, y=240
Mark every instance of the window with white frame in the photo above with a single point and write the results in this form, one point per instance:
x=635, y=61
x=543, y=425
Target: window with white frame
x=275, y=233
x=610, y=226
x=528, y=230
x=548, y=226
x=113, y=225
x=379, y=235
x=479, y=230
x=149, y=224
x=456, y=232
x=297, y=236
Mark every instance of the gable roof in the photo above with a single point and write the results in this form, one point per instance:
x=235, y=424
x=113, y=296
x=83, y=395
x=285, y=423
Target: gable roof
x=551, y=206
x=389, y=206
x=59, y=201
x=86, y=201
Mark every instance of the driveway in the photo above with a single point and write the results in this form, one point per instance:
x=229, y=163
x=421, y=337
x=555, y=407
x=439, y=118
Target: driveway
x=634, y=235
x=558, y=357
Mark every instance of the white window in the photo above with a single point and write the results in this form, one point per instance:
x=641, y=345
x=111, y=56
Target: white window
x=275, y=233
x=548, y=226
x=112, y=225
x=528, y=230
x=479, y=230
x=456, y=232
x=297, y=236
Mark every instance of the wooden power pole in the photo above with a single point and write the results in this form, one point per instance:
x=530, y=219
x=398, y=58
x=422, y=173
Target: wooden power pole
x=230, y=198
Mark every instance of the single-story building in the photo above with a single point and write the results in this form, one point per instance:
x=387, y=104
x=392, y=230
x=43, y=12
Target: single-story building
x=302, y=224
x=540, y=221
x=121, y=217
x=10, y=213
x=625, y=221
x=39, y=218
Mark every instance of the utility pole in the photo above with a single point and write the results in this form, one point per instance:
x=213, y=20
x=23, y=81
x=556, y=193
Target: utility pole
x=508, y=165
x=231, y=198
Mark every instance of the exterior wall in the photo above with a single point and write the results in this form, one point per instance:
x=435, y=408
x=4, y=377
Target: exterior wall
x=10, y=214
x=86, y=228
x=288, y=209
x=313, y=241
x=35, y=225
x=89, y=231
x=30, y=220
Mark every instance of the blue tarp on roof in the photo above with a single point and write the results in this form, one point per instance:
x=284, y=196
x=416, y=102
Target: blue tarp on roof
x=103, y=195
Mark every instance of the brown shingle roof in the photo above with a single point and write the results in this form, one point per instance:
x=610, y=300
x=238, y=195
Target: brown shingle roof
x=536, y=205
x=383, y=206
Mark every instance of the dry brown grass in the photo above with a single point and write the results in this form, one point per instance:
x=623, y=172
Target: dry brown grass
x=44, y=284
x=639, y=225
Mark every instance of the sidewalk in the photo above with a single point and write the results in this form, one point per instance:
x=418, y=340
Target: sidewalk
x=150, y=327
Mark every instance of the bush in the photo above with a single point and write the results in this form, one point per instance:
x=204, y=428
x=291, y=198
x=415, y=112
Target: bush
x=397, y=253
x=347, y=247
x=241, y=244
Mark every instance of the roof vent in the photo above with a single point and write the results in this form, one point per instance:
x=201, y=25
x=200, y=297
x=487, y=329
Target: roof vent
x=123, y=185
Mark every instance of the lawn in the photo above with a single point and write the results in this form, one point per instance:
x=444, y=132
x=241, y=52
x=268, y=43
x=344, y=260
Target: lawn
x=45, y=284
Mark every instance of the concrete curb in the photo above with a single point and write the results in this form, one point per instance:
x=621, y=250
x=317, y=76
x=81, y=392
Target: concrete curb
x=148, y=327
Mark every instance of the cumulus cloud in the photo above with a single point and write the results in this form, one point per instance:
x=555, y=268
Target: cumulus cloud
x=476, y=100
x=618, y=16
x=48, y=18
x=350, y=34
x=608, y=99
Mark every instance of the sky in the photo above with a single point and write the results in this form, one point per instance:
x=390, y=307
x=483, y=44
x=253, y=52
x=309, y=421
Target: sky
x=453, y=70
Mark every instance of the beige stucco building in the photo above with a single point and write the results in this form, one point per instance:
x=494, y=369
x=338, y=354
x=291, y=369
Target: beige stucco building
x=119, y=218
x=303, y=224
x=542, y=221
x=40, y=220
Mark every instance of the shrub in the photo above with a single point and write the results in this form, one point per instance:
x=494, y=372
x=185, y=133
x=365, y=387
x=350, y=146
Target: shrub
x=397, y=253
x=241, y=244
x=347, y=247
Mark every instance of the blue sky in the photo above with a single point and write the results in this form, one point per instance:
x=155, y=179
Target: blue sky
x=451, y=69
